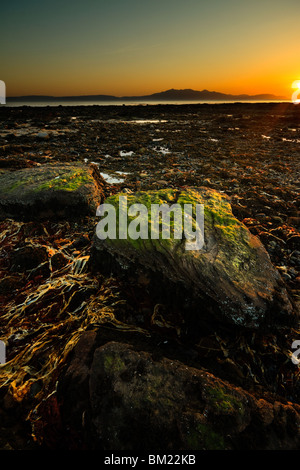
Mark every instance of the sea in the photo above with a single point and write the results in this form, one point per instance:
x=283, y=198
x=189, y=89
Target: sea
x=127, y=103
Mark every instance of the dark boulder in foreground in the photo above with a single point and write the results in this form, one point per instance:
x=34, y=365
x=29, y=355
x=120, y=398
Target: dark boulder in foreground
x=46, y=192
x=230, y=279
x=117, y=397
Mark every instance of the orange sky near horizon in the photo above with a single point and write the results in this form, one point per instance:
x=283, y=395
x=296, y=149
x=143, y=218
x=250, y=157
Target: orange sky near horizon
x=252, y=85
x=139, y=47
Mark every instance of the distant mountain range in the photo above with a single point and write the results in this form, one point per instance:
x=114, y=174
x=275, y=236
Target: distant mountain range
x=168, y=95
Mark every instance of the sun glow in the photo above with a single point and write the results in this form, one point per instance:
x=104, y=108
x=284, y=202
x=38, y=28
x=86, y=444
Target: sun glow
x=295, y=99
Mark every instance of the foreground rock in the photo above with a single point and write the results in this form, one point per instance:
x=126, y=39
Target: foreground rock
x=46, y=192
x=230, y=279
x=115, y=397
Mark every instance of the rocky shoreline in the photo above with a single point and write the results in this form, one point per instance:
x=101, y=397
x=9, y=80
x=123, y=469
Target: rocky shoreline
x=96, y=360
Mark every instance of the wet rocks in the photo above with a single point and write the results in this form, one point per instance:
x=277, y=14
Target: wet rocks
x=60, y=191
x=116, y=396
x=294, y=242
x=27, y=257
x=230, y=279
x=247, y=151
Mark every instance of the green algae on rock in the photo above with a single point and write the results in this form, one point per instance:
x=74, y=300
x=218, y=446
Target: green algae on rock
x=231, y=278
x=134, y=400
x=45, y=192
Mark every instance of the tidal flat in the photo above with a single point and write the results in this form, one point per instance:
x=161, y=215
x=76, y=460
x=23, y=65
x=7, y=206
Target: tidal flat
x=98, y=360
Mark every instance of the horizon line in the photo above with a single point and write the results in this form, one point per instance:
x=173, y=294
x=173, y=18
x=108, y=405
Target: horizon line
x=147, y=95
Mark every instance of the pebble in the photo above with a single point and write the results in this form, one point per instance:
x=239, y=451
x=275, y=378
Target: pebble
x=43, y=135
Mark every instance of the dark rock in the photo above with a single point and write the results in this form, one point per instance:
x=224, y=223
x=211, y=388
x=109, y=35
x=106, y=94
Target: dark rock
x=47, y=192
x=230, y=279
x=80, y=242
x=58, y=261
x=115, y=397
x=27, y=258
x=294, y=242
x=11, y=283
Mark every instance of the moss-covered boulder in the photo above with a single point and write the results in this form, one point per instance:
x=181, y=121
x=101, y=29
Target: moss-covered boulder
x=117, y=396
x=45, y=192
x=228, y=277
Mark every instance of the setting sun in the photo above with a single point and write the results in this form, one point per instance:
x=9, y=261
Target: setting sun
x=296, y=84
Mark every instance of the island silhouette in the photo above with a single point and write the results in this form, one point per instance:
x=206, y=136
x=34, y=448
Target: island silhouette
x=168, y=95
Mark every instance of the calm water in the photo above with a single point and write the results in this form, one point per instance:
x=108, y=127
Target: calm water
x=124, y=103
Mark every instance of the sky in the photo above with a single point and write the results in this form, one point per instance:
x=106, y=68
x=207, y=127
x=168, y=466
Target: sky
x=138, y=47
